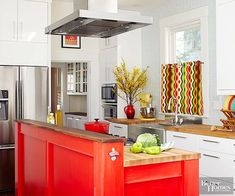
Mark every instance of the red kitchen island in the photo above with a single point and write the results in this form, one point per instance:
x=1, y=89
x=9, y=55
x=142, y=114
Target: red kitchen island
x=52, y=161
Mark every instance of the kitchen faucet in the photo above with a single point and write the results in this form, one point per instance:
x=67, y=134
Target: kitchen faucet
x=176, y=109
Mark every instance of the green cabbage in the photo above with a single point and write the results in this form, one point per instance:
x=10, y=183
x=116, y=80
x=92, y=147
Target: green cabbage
x=148, y=140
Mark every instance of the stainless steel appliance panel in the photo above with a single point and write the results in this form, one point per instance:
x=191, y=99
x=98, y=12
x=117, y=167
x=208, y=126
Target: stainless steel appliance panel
x=110, y=111
x=34, y=98
x=8, y=78
x=27, y=89
x=8, y=81
x=135, y=130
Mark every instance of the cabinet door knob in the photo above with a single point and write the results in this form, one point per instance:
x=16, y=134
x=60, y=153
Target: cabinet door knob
x=117, y=127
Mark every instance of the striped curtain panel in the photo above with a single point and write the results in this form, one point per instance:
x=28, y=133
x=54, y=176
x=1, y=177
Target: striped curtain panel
x=184, y=82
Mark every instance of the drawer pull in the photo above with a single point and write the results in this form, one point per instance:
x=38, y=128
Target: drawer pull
x=117, y=127
x=211, y=141
x=177, y=136
x=211, y=156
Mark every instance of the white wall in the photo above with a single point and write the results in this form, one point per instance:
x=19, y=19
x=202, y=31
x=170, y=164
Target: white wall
x=89, y=48
x=151, y=51
x=130, y=50
x=89, y=52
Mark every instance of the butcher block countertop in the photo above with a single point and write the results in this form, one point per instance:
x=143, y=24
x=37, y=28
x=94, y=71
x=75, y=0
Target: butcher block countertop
x=201, y=130
x=89, y=135
x=172, y=155
x=132, y=121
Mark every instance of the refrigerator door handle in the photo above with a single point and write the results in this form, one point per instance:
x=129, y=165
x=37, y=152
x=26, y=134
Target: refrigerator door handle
x=17, y=100
x=21, y=100
x=7, y=146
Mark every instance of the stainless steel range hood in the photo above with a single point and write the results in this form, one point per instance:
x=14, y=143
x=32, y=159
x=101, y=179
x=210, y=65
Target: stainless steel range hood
x=95, y=23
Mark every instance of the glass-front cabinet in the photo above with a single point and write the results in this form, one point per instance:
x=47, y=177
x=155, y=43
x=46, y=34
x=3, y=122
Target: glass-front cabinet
x=77, y=78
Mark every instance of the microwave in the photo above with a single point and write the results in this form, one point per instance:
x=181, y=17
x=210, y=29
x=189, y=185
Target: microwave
x=109, y=93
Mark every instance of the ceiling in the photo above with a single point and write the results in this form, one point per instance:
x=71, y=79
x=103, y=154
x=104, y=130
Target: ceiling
x=134, y=5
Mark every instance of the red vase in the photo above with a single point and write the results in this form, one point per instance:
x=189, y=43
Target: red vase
x=130, y=111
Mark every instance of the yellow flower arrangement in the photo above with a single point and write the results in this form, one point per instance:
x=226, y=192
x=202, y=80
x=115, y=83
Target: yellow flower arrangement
x=130, y=83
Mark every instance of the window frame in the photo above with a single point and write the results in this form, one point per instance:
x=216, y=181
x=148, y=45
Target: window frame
x=167, y=26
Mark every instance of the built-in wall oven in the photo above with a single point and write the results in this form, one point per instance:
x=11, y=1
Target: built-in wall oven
x=110, y=110
x=109, y=100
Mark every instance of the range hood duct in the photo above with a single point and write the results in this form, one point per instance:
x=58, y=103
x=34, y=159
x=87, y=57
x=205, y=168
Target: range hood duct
x=97, y=18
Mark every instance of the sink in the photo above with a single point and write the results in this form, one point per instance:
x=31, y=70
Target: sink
x=167, y=123
x=184, y=121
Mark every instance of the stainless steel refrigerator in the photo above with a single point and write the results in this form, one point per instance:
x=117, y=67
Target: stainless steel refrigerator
x=23, y=95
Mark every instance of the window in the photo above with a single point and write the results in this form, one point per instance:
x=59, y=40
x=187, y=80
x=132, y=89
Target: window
x=184, y=38
x=187, y=42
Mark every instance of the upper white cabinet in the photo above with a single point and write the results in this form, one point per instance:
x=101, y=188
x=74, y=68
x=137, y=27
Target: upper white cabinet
x=22, y=37
x=8, y=20
x=225, y=40
x=108, y=60
x=23, y=20
x=77, y=78
x=32, y=20
x=108, y=42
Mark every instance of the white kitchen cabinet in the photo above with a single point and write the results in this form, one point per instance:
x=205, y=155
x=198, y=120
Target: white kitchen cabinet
x=69, y=121
x=108, y=42
x=225, y=40
x=22, y=37
x=117, y=129
x=184, y=141
x=23, y=20
x=217, y=154
x=108, y=61
x=8, y=20
x=32, y=20
x=77, y=78
x=215, y=164
x=76, y=121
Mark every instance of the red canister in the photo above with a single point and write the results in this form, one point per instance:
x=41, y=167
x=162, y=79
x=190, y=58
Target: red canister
x=97, y=126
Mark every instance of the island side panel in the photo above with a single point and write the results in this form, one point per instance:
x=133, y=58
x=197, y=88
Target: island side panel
x=67, y=165
x=164, y=179
x=190, y=181
x=109, y=175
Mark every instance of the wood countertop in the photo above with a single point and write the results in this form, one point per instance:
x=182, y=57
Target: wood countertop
x=174, y=154
x=89, y=135
x=133, y=121
x=200, y=129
